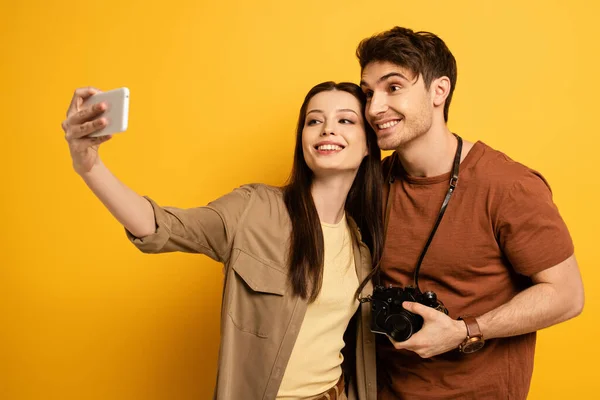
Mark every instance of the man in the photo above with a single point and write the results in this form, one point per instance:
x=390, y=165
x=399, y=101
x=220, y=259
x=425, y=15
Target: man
x=501, y=261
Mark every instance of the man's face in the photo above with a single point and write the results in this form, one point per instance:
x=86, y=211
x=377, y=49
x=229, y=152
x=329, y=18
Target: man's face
x=399, y=107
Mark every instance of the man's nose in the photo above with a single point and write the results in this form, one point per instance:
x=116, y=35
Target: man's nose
x=377, y=105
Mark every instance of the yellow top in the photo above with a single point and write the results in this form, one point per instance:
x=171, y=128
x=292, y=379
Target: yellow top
x=315, y=363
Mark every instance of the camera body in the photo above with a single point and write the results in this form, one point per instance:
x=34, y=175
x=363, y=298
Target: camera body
x=390, y=318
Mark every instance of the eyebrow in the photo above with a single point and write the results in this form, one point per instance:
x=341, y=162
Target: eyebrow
x=340, y=110
x=386, y=77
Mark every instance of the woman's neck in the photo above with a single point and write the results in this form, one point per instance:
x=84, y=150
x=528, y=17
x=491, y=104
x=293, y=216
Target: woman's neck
x=329, y=195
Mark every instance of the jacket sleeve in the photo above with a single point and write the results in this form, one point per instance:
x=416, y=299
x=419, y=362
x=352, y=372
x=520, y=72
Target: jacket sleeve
x=207, y=230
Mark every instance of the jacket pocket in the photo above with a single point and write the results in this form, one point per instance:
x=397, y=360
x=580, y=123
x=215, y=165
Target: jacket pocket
x=256, y=295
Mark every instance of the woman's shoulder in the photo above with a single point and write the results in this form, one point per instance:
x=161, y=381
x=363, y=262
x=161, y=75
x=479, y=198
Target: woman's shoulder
x=265, y=202
x=264, y=191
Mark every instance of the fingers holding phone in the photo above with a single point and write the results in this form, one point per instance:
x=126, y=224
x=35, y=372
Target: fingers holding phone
x=85, y=121
x=92, y=117
x=79, y=97
x=115, y=109
x=95, y=113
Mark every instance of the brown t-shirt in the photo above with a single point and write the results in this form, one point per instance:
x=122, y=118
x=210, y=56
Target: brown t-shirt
x=500, y=227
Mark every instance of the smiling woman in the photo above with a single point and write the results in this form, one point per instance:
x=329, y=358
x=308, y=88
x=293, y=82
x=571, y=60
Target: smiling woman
x=294, y=256
x=334, y=131
x=333, y=138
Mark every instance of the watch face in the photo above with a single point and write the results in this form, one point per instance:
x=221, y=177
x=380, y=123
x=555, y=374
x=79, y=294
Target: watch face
x=472, y=345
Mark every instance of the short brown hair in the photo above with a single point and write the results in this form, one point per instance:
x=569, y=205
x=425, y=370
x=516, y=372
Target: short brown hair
x=421, y=52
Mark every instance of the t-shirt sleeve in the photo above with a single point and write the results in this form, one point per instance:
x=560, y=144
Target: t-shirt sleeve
x=530, y=229
x=208, y=230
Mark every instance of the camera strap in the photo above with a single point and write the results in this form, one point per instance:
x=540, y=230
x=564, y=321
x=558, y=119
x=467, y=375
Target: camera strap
x=453, y=182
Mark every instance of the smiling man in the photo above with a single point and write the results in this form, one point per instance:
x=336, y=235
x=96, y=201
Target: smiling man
x=501, y=260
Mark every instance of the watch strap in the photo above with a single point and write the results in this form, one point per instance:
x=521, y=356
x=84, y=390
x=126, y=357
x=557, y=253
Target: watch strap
x=472, y=327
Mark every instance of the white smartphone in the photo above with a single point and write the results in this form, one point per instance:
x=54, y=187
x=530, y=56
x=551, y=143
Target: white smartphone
x=117, y=111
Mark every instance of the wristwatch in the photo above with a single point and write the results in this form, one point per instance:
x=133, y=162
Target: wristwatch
x=474, y=340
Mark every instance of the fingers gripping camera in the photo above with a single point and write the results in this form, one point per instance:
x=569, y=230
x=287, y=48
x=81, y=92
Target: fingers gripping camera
x=390, y=318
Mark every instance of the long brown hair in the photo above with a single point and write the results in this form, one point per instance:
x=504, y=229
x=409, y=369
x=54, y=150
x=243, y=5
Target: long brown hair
x=363, y=204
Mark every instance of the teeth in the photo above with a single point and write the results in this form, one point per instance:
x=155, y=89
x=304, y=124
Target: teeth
x=326, y=147
x=388, y=124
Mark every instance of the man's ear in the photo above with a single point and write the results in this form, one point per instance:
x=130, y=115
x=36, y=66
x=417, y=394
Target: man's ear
x=440, y=89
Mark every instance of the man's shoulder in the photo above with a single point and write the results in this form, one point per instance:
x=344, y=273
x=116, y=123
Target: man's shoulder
x=496, y=168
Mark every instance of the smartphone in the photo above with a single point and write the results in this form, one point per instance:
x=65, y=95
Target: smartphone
x=117, y=111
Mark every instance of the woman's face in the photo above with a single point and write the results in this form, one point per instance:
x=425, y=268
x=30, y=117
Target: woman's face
x=333, y=137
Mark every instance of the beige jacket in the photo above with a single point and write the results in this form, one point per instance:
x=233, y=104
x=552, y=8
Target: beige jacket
x=248, y=231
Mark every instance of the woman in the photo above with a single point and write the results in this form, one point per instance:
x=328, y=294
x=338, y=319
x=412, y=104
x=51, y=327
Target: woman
x=293, y=256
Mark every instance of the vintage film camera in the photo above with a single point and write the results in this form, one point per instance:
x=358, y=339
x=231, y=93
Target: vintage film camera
x=390, y=318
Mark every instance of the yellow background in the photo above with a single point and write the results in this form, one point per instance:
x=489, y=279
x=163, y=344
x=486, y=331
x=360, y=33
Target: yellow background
x=215, y=91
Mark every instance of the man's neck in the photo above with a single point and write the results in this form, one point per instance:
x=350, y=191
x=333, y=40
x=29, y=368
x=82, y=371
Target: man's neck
x=430, y=154
x=329, y=195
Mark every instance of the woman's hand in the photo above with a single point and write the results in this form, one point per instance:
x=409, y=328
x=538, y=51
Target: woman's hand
x=80, y=122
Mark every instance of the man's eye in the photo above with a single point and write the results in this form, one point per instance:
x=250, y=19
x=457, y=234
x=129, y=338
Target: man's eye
x=368, y=94
x=395, y=88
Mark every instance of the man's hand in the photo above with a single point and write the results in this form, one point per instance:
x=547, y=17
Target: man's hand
x=439, y=333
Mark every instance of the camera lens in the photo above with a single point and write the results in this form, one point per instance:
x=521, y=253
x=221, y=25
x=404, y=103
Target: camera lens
x=399, y=327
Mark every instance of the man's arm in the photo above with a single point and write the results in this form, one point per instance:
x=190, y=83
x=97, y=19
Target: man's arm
x=556, y=296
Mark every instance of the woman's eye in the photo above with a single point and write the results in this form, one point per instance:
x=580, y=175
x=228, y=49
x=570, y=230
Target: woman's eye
x=312, y=122
x=346, y=121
